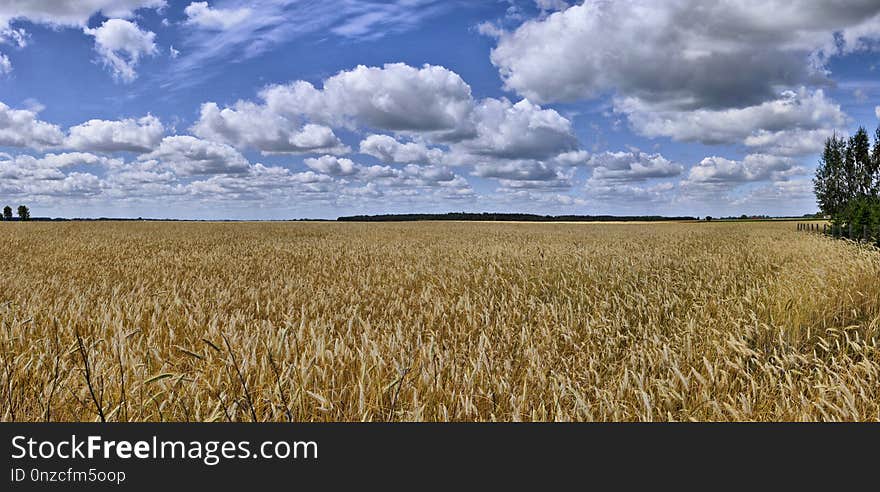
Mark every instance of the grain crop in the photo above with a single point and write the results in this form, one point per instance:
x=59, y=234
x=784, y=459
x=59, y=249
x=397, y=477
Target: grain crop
x=152, y=321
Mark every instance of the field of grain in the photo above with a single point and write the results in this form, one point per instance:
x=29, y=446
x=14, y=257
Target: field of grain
x=436, y=322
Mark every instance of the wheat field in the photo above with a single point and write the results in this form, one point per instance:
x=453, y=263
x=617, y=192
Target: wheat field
x=149, y=321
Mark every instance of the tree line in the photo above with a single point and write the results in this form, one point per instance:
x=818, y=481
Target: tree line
x=506, y=217
x=847, y=181
x=24, y=213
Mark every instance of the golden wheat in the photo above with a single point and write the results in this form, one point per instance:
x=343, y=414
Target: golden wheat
x=436, y=321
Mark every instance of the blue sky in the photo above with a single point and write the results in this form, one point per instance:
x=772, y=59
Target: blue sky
x=278, y=109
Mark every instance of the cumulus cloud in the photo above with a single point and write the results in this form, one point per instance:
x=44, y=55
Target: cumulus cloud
x=16, y=36
x=52, y=184
x=517, y=131
x=29, y=169
x=754, y=167
x=412, y=177
x=428, y=104
x=681, y=52
x=632, y=166
x=518, y=170
x=332, y=165
x=490, y=29
x=572, y=158
x=201, y=15
x=388, y=149
x=120, y=45
x=794, y=196
x=793, y=110
x=247, y=124
x=395, y=97
x=70, y=13
x=261, y=182
x=561, y=182
x=131, y=135
x=379, y=179
x=190, y=156
x=625, y=194
x=22, y=128
x=790, y=143
x=141, y=178
x=411, y=180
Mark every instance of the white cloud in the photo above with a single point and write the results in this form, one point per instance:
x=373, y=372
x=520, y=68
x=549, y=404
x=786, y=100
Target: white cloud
x=16, y=36
x=274, y=22
x=517, y=131
x=790, y=143
x=551, y=5
x=792, y=196
x=70, y=13
x=131, y=135
x=135, y=178
x=490, y=29
x=260, y=182
x=877, y=112
x=413, y=179
x=382, y=178
x=247, y=124
x=317, y=138
x=625, y=194
x=369, y=20
x=801, y=110
x=173, y=53
x=68, y=159
x=632, y=166
x=686, y=53
x=754, y=167
x=572, y=158
x=201, y=15
x=51, y=184
x=518, y=170
x=30, y=169
x=430, y=104
x=22, y=128
x=333, y=166
x=396, y=97
x=413, y=176
x=121, y=44
x=67, y=13
x=388, y=149
x=190, y=156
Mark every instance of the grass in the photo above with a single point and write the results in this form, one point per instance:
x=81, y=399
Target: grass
x=436, y=322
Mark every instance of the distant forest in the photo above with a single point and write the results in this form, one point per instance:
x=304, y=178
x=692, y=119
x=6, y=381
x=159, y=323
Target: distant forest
x=490, y=217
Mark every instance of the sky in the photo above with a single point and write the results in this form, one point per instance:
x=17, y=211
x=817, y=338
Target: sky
x=286, y=109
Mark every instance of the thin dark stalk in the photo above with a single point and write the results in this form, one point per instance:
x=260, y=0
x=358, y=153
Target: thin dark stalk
x=284, y=398
x=88, y=374
x=398, y=383
x=123, y=400
x=247, y=394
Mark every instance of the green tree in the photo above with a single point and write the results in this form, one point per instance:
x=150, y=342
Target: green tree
x=7, y=213
x=830, y=182
x=875, y=163
x=863, y=169
x=23, y=213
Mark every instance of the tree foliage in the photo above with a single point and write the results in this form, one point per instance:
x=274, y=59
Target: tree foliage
x=847, y=181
